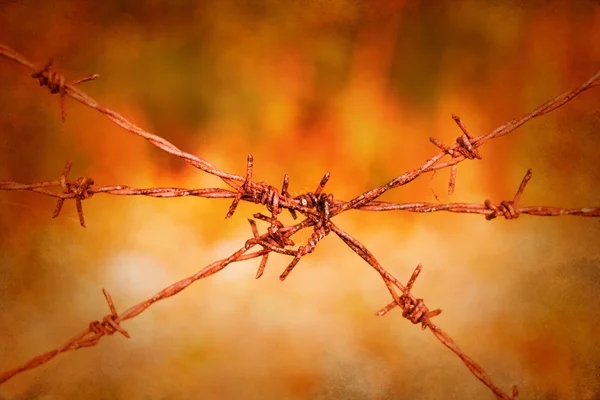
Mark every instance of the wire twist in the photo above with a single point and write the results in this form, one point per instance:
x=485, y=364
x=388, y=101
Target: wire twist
x=464, y=147
x=110, y=323
x=52, y=79
x=506, y=209
x=308, y=248
x=413, y=309
x=108, y=326
x=73, y=189
x=56, y=83
x=261, y=193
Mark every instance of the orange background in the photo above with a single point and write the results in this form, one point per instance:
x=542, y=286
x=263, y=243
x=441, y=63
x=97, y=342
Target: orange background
x=352, y=87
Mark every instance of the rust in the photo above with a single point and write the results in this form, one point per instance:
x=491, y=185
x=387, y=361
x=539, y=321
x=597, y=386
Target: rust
x=55, y=82
x=79, y=190
x=317, y=208
x=465, y=148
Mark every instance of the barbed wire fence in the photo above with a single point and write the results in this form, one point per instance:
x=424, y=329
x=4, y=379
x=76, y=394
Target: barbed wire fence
x=314, y=210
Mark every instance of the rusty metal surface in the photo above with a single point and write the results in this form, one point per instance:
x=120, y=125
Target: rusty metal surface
x=317, y=209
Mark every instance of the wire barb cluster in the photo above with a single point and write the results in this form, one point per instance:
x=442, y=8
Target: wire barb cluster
x=413, y=309
x=464, y=147
x=56, y=83
x=79, y=190
x=508, y=209
x=109, y=325
x=314, y=206
x=317, y=209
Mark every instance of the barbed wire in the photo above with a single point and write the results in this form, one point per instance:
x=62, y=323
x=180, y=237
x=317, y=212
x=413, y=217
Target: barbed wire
x=318, y=208
x=84, y=188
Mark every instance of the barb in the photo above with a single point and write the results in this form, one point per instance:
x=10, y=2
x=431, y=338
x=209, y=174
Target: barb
x=413, y=309
x=56, y=83
x=265, y=257
x=245, y=188
x=77, y=190
x=109, y=325
x=465, y=148
x=508, y=208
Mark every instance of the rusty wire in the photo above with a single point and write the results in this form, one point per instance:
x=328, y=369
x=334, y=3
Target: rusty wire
x=507, y=208
x=318, y=208
x=84, y=188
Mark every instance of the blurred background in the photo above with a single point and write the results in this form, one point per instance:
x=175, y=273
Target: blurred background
x=352, y=87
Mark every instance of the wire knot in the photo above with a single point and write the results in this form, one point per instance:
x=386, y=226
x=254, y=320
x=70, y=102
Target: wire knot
x=413, y=309
x=260, y=192
x=466, y=148
x=278, y=236
x=55, y=82
x=506, y=209
x=463, y=147
x=417, y=312
x=269, y=196
x=52, y=79
x=321, y=203
x=110, y=323
x=108, y=326
x=79, y=190
x=276, y=239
